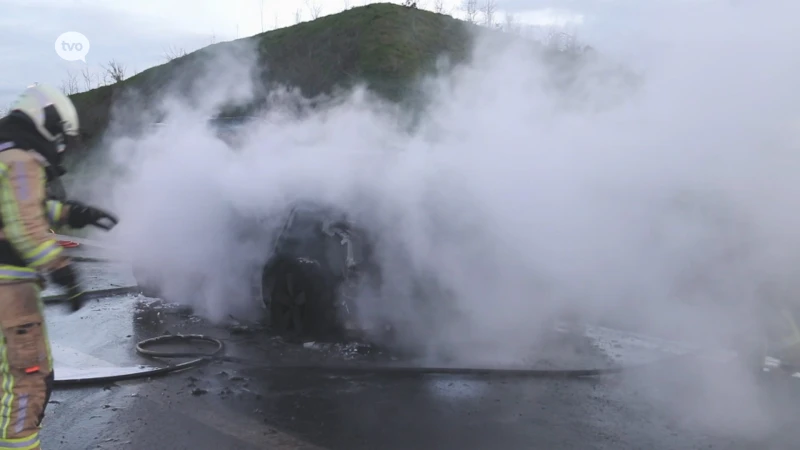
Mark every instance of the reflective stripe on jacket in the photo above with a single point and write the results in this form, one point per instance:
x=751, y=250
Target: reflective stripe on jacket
x=56, y=213
x=26, y=217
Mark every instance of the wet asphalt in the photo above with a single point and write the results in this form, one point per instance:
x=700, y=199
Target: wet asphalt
x=226, y=405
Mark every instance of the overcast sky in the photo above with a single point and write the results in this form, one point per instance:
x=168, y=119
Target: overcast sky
x=138, y=33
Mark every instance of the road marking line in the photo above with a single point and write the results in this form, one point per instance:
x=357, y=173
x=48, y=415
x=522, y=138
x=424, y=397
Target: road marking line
x=241, y=427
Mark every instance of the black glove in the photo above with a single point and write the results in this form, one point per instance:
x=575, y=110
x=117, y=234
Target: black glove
x=68, y=279
x=81, y=215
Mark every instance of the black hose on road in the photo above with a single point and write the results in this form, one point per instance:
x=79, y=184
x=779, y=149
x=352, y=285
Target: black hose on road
x=204, y=357
x=354, y=369
x=143, y=348
x=200, y=358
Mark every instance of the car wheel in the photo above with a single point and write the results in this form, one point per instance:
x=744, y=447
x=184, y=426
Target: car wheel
x=300, y=300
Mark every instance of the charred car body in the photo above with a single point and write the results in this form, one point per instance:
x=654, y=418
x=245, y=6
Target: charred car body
x=320, y=261
x=316, y=263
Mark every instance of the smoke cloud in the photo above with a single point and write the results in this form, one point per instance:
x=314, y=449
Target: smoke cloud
x=665, y=205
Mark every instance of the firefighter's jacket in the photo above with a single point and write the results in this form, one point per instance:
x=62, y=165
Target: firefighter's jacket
x=27, y=248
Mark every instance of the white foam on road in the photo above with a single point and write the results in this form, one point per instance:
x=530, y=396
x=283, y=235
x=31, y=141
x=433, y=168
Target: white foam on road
x=626, y=347
x=240, y=426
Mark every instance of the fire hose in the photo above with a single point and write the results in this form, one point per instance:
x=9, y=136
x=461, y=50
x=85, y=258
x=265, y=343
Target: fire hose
x=145, y=349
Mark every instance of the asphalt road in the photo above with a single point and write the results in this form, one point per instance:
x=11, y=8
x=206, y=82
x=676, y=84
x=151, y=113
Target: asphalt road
x=697, y=404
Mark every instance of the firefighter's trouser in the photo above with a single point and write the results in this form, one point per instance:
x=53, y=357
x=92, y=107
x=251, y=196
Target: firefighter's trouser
x=26, y=366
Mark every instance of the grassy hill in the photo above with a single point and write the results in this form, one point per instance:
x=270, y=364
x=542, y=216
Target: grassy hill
x=386, y=45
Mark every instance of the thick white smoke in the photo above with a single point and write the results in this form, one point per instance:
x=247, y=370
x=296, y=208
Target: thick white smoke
x=668, y=207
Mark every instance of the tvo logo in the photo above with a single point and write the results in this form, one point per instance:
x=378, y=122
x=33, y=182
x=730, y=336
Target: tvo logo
x=72, y=46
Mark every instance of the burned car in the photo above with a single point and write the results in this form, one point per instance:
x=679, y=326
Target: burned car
x=318, y=262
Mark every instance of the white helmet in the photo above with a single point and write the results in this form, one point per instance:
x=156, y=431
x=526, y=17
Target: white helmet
x=52, y=112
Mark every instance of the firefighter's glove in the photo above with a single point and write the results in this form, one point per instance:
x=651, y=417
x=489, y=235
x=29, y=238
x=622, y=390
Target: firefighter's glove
x=81, y=215
x=68, y=279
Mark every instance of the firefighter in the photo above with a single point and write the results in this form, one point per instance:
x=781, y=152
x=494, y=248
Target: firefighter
x=41, y=125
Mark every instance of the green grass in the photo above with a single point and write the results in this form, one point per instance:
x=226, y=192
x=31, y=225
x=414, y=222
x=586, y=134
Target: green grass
x=385, y=45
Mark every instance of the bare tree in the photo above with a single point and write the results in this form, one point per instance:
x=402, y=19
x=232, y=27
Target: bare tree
x=314, y=8
x=471, y=10
x=489, y=10
x=346, y=5
x=69, y=85
x=298, y=15
x=90, y=80
x=114, y=72
x=438, y=6
x=171, y=53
